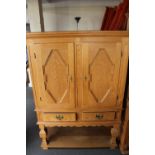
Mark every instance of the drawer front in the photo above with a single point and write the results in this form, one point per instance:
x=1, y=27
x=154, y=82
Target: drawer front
x=101, y=116
x=59, y=117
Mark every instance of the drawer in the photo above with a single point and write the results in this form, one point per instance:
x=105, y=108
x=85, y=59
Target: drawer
x=94, y=116
x=59, y=117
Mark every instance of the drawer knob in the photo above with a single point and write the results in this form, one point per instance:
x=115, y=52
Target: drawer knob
x=98, y=116
x=59, y=117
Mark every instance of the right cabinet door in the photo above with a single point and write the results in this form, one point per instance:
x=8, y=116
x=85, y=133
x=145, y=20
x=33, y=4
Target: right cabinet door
x=101, y=63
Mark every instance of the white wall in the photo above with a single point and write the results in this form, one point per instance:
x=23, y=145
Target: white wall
x=59, y=14
x=34, y=16
x=59, y=19
x=27, y=16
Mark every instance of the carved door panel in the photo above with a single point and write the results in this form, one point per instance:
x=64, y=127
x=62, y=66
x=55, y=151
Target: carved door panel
x=101, y=63
x=55, y=74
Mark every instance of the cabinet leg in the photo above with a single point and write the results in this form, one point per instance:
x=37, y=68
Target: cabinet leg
x=124, y=139
x=114, y=135
x=42, y=134
x=124, y=149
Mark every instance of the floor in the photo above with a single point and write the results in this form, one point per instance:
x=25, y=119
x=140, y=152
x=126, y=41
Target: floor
x=33, y=141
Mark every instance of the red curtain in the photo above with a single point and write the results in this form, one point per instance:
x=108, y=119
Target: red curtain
x=116, y=18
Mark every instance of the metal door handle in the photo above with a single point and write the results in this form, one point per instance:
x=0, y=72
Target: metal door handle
x=89, y=77
x=70, y=78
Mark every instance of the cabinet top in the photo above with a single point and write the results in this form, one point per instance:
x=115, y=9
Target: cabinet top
x=76, y=34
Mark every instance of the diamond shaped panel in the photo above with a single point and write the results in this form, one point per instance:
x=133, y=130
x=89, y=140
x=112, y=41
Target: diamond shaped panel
x=101, y=70
x=56, y=73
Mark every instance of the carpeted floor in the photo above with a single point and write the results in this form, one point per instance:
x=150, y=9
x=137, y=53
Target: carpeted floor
x=33, y=141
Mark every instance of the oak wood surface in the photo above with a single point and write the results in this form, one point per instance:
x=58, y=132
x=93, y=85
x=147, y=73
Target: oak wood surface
x=107, y=116
x=59, y=117
x=101, y=73
x=79, y=123
x=89, y=137
x=76, y=33
x=55, y=74
x=124, y=138
x=80, y=74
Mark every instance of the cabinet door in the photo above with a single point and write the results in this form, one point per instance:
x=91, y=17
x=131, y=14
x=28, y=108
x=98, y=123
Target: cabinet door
x=54, y=68
x=101, y=63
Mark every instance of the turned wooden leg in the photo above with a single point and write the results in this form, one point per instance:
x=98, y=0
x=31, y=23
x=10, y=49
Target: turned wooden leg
x=42, y=134
x=124, y=143
x=114, y=135
x=124, y=150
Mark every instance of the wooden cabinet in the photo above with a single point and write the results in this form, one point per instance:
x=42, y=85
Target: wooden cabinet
x=95, y=116
x=124, y=137
x=78, y=79
x=54, y=67
x=59, y=117
x=101, y=73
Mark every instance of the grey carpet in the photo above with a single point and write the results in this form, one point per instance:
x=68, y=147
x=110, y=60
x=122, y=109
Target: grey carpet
x=33, y=141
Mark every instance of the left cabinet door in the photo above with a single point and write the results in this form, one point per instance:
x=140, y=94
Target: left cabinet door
x=53, y=66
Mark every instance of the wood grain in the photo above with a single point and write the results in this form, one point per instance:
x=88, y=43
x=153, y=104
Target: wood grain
x=59, y=117
x=78, y=80
x=78, y=137
x=124, y=140
x=107, y=116
x=77, y=34
x=101, y=73
x=55, y=75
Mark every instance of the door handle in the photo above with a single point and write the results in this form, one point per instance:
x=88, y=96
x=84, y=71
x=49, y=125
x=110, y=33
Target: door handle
x=70, y=78
x=89, y=77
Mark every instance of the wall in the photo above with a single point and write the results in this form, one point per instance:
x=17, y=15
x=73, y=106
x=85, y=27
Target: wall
x=59, y=14
x=58, y=19
x=33, y=15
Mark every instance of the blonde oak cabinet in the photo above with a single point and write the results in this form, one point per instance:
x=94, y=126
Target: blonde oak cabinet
x=78, y=79
x=124, y=137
